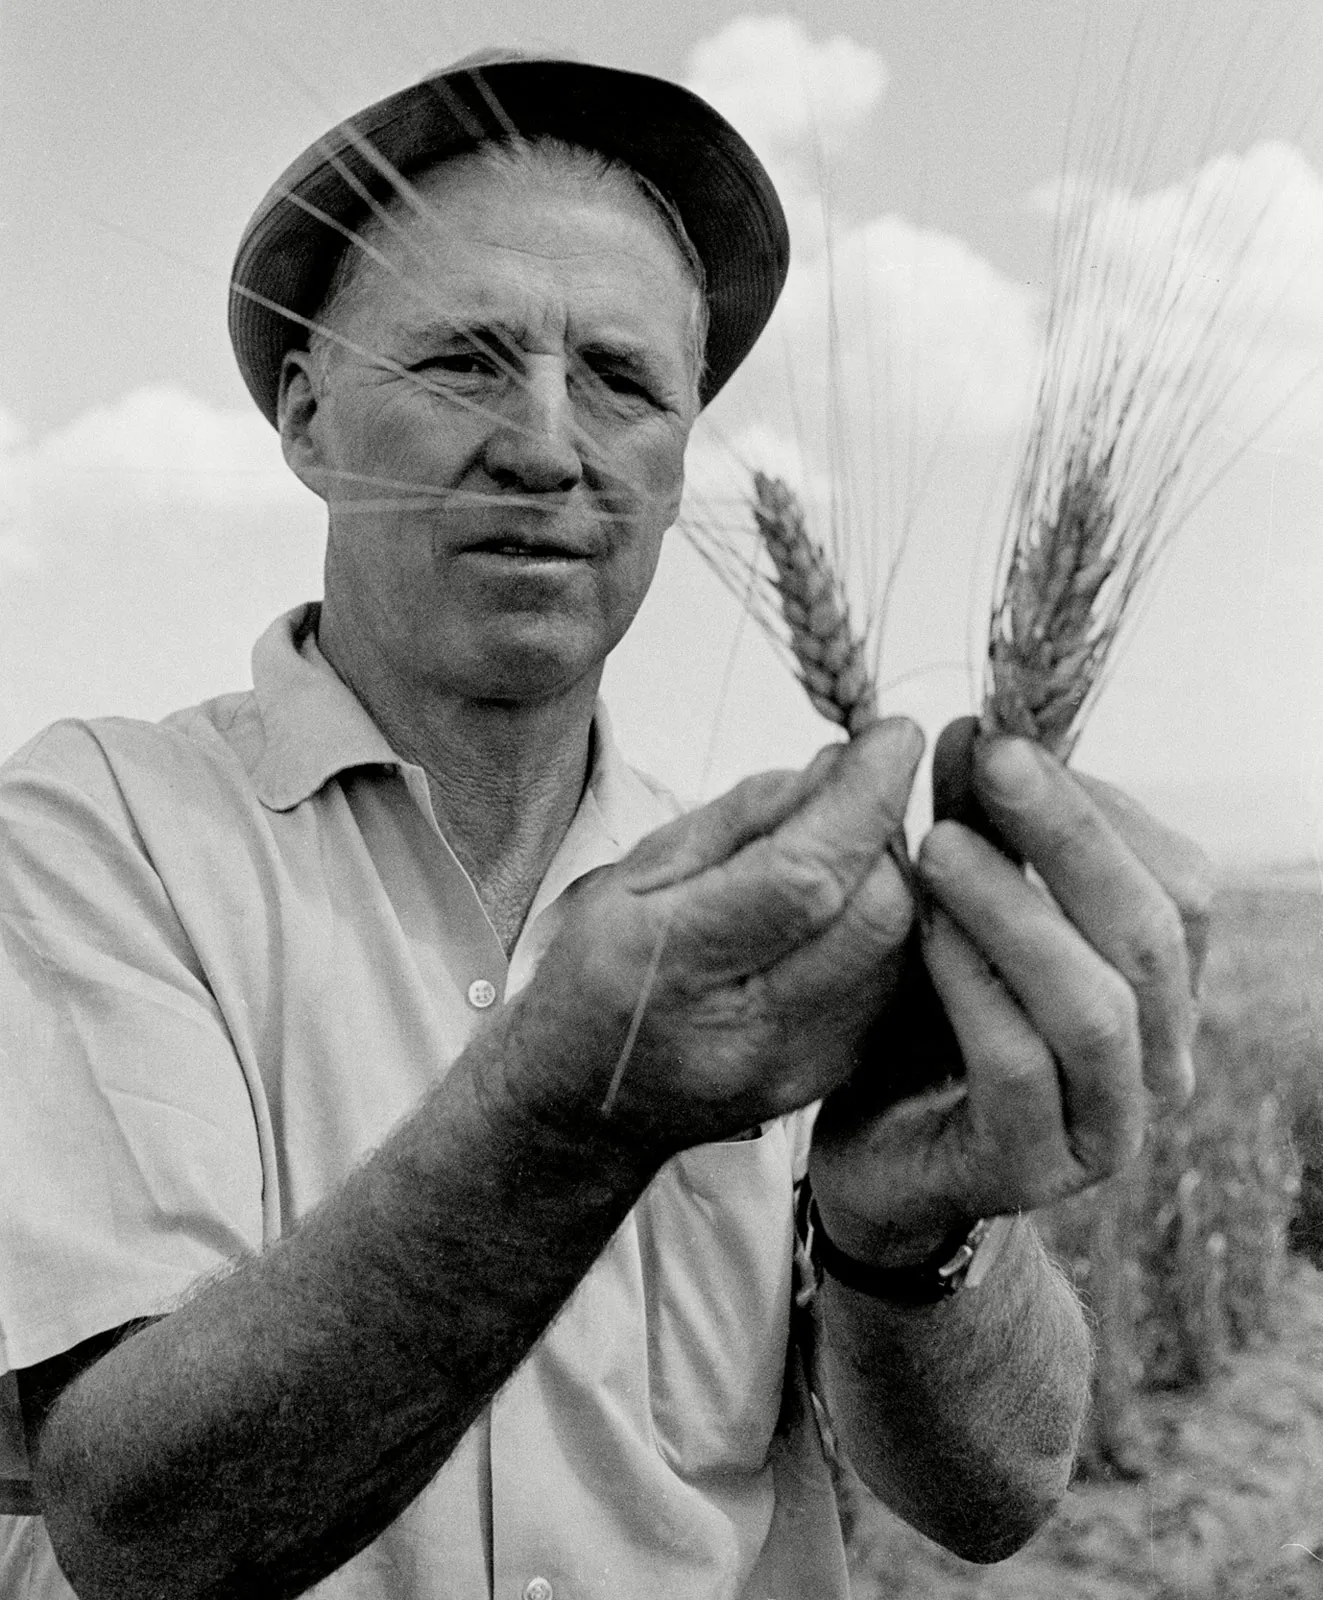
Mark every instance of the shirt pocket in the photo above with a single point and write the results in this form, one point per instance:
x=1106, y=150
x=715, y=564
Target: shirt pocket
x=715, y=1239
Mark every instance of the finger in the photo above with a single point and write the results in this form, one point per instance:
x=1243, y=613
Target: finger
x=831, y=987
x=911, y=1047
x=1029, y=1136
x=709, y=834
x=954, y=796
x=1082, y=1008
x=784, y=887
x=1105, y=891
x=1177, y=863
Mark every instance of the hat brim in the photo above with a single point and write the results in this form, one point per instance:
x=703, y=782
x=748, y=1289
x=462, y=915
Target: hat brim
x=673, y=138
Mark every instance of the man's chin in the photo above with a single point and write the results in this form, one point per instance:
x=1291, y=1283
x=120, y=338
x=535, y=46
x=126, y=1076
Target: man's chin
x=523, y=671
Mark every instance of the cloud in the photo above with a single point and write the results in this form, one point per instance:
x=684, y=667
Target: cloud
x=142, y=548
x=901, y=347
x=798, y=101
x=16, y=509
x=157, y=446
x=892, y=360
x=928, y=331
x=929, y=340
x=782, y=89
x=1215, y=274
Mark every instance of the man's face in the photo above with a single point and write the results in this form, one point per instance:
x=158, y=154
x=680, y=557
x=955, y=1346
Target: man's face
x=500, y=434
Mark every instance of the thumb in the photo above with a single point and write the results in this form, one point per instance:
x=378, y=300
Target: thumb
x=955, y=798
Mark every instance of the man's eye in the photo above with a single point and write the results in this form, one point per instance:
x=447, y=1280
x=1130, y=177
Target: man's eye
x=620, y=381
x=468, y=361
x=459, y=363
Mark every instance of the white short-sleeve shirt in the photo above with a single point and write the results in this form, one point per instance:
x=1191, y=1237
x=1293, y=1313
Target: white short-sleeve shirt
x=235, y=950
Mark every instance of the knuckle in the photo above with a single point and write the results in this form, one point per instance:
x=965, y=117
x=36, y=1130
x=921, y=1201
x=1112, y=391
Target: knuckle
x=757, y=797
x=1159, y=947
x=1110, y=1150
x=1052, y=1182
x=1110, y=1135
x=940, y=851
x=811, y=894
x=1196, y=926
x=885, y=908
x=1067, y=830
x=1190, y=879
x=1197, y=919
x=1106, y=1030
x=1197, y=889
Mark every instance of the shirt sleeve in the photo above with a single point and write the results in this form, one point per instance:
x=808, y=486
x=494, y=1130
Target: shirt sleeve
x=129, y=1161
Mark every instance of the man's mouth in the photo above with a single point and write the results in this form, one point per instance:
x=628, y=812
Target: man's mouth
x=521, y=549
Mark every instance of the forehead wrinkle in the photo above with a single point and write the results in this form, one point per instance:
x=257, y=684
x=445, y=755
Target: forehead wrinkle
x=421, y=240
x=507, y=283
x=525, y=317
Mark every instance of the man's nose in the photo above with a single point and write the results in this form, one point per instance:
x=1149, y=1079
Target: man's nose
x=537, y=444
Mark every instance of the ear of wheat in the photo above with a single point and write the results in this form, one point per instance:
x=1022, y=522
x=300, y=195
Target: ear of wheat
x=1052, y=629
x=830, y=657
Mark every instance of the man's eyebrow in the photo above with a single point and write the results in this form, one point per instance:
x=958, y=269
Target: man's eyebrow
x=623, y=353
x=504, y=338
x=444, y=329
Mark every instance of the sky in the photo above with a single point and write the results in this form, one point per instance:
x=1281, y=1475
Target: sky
x=149, y=530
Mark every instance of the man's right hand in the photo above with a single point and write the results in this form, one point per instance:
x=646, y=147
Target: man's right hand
x=726, y=969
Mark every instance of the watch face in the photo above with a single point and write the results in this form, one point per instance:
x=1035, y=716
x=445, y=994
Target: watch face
x=992, y=1234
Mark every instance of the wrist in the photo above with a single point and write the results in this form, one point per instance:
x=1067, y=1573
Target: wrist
x=960, y=1260
x=550, y=1064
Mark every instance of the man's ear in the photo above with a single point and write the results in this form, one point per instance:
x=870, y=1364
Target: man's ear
x=296, y=417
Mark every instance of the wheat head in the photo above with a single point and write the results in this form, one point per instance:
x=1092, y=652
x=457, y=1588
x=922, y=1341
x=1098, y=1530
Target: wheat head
x=830, y=656
x=1052, y=628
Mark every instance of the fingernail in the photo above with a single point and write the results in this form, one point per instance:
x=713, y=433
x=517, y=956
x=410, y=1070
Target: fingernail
x=912, y=740
x=1185, y=1074
x=1012, y=770
x=821, y=764
x=903, y=737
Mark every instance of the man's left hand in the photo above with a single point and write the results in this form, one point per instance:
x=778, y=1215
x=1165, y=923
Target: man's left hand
x=1066, y=1006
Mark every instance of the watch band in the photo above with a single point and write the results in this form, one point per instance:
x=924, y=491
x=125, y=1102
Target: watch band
x=961, y=1261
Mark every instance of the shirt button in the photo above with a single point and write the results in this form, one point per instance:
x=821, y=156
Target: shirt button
x=538, y=1589
x=481, y=995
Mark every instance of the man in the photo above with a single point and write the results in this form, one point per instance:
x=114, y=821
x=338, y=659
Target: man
x=403, y=1104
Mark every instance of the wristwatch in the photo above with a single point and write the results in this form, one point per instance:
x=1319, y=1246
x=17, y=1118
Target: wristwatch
x=961, y=1261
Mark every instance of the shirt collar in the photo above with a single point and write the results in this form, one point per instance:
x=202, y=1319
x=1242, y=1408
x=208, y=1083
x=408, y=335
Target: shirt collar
x=315, y=727
x=314, y=724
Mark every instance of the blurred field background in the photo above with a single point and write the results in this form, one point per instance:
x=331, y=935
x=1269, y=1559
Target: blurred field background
x=1202, y=1473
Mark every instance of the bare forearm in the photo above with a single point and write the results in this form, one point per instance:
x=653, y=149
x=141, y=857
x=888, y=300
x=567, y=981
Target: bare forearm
x=964, y=1416
x=257, y=1437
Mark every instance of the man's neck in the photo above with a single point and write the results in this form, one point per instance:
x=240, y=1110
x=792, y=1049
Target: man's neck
x=505, y=779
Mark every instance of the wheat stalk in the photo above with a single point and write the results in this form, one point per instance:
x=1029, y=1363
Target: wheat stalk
x=1135, y=375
